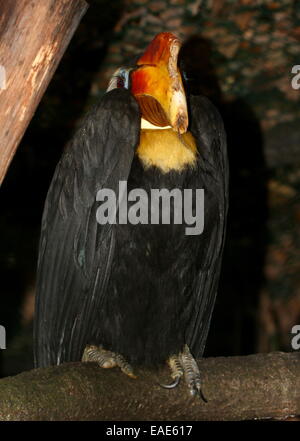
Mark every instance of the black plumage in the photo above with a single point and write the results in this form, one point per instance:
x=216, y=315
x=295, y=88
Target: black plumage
x=139, y=290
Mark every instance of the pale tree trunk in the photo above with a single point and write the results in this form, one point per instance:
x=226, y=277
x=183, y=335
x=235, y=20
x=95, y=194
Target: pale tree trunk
x=33, y=38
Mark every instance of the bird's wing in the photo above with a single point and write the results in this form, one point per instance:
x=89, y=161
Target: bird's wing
x=207, y=127
x=76, y=252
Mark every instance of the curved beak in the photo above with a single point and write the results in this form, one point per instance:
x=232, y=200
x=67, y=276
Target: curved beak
x=157, y=85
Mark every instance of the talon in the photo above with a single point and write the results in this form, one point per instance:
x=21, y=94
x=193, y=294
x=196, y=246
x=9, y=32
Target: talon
x=202, y=396
x=177, y=372
x=129, y=374
x=171, y=385
x=197, y=391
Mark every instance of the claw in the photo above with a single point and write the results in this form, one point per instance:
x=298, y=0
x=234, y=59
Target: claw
x=197, y=391
x=202, y=396
x=171, y=385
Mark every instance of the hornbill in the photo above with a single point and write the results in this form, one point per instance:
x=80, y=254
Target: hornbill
x=120, y=293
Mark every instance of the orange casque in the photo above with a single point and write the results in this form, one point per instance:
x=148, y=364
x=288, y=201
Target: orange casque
x=157, y=84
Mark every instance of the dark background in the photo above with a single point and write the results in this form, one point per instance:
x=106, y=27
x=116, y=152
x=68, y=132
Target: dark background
x=240, y=56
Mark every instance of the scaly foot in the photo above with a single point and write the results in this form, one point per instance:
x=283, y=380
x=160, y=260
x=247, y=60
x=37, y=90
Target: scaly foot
x=185, y=365
x=107, y=359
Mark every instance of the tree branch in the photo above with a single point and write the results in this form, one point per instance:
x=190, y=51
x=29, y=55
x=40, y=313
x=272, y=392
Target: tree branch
x=34, y=36
x=237, y=388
